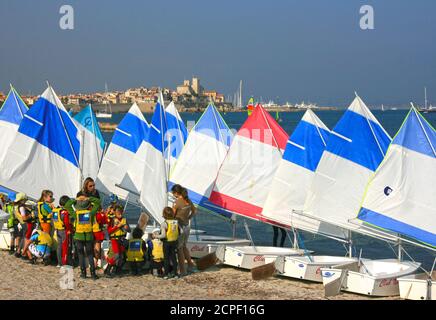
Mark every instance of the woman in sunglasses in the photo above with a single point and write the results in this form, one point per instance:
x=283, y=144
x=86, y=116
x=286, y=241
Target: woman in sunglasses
x=88, y=189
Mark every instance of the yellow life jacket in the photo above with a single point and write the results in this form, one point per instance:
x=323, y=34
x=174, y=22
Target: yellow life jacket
x=157, y=251
x=134, y=251
x=43, y=217
x=44, y=238
x=12, y=221
x=120, y=232
x=58, y=221
x=172, y=230
x=18, y=215
x=83, y=223
x=96, y=227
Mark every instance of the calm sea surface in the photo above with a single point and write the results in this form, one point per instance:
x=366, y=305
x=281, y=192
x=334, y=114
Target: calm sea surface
x=262, y=233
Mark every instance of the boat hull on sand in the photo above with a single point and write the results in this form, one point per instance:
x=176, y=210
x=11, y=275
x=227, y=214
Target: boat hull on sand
x=249, y=257
x=307, y=268
x=202, y=245
x=372, y=278
x=5, y=239
x=418, y=287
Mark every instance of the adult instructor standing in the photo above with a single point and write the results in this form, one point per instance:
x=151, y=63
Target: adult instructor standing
x=184, y=211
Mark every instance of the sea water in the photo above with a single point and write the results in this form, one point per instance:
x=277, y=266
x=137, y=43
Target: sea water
x=262, y=233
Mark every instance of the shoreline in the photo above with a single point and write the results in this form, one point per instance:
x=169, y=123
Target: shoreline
x=37, y=282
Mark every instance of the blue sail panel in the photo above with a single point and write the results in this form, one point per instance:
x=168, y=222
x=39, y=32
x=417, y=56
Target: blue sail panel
x=417, y=135
x=130, y=132
x=42, y=123
x=353, y=139
x=305, y=146
x=13, y=109
x=213, y=125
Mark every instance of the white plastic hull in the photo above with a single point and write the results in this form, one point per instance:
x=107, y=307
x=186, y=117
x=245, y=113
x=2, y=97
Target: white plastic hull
x=304, y=269
x=248, y=257
x=103, y=115
x=416, y=287
x=203, y=245
x=382, y=282
x=5, y=239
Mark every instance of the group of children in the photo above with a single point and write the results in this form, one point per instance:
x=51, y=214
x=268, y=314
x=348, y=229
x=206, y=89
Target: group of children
x=77, y=227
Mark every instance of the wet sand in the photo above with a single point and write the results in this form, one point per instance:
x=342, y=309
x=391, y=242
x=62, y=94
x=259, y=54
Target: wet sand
x=21, y=280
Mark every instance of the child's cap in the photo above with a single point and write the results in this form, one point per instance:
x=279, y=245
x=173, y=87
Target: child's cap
x=156, y=230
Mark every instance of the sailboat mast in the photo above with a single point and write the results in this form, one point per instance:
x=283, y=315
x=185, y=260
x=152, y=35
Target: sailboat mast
x=400, y=250
x=425, y=98
x=240, y=94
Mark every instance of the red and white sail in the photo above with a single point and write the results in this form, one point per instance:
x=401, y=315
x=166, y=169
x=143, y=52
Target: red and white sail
x=244, y=179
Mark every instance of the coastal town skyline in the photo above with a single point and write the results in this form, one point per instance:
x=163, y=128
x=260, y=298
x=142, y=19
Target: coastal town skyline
x=188, y=93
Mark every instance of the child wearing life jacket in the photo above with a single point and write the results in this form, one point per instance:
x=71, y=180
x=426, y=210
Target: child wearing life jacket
x=117, y=229
x=101, y=222
x=169, y=236
x=136, y=252
x=28, y=218
x=21, y=225
x=13, y=223
x=40, y=246
x=45, y=207
x=82, y=214
x=155, y=246
x=63, y=229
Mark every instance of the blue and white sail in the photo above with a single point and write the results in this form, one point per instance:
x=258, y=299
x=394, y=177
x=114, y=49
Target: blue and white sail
x=93, y=144
x=177, y=134
x=132, y=180
x=45, y=152
x=401, y=197
x=355, y=148
x=295, y=174
x=11, y=114
x=199, y=162
x=154, y=193
x=126, y=140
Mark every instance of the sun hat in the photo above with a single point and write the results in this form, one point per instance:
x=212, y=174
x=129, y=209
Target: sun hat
x=20, y=196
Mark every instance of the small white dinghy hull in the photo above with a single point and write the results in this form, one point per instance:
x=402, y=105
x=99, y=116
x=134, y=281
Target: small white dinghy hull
x=202, y=245
x=249, y=257
x=5, y=238
x=418, y=287
x=306, y=268
x=372, y=278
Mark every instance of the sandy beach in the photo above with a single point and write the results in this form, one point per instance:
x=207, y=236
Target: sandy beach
x=21, y=280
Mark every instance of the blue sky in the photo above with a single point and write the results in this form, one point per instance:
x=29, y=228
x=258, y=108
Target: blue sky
x=310, y=50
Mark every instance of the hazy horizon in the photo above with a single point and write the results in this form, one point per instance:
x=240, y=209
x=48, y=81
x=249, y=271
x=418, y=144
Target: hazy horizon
x=312, y=51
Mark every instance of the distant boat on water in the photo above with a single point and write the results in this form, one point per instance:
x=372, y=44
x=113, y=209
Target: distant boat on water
x=105, y=113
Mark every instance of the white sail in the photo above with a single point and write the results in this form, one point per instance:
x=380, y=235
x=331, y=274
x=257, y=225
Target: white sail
x=126, y=140
x=246, y=174
x=401, y=197
x=11, y=114
x=201, y=158
x=356, y=146
x=154, y=193
x=45, y=152
x=177, y=134
x=295, y=174
x=93, y=142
